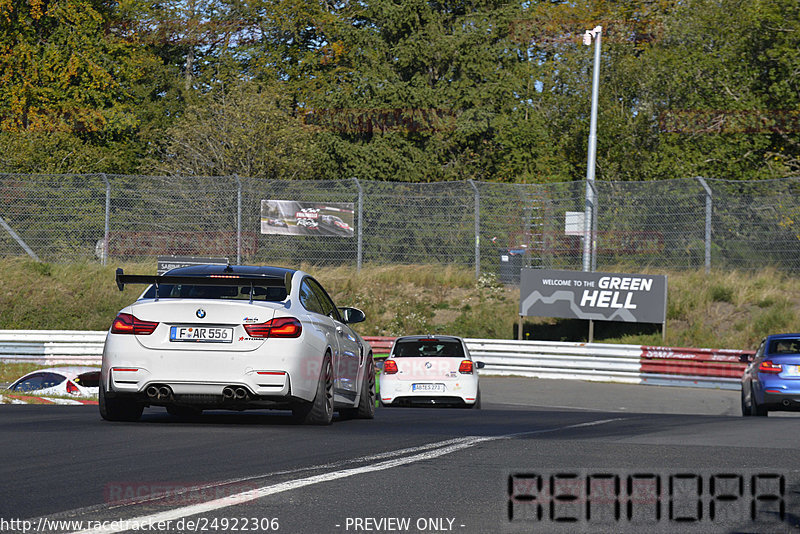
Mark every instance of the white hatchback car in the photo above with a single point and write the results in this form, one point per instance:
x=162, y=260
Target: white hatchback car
x=235, y=337
x=77, y=381
x=430, y=370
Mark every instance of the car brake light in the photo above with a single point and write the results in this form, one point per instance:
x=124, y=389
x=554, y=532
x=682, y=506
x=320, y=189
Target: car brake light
x=125, y=323
x=72, y=389
x=466, y=367
x=389, y=367
x=280, y=327
x=768, y=367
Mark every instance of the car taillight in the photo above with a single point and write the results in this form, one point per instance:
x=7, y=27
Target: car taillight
x=768, y=367
x=125, y=323
x=72, y=389
x=466, y=367
x=279, y=327
x=389, y=367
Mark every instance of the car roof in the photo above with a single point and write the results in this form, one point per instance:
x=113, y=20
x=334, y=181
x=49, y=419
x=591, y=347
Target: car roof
x=199, y=270
x=773, y=337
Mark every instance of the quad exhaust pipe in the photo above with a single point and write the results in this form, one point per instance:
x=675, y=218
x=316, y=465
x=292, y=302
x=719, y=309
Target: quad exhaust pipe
x=229, y=393
x=234, y=393
x=158, y=392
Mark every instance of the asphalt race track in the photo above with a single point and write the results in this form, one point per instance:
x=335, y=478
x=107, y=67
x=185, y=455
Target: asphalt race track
x=541, y=456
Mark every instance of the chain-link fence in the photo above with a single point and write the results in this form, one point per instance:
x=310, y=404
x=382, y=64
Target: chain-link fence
x=493, y=227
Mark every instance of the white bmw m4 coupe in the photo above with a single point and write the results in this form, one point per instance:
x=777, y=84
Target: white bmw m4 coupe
x=236, y=337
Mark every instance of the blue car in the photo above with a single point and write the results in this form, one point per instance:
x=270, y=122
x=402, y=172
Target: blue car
x=771, y=381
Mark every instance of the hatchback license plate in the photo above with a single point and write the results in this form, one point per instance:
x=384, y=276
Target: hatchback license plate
x=201, y=334
x=439, y=388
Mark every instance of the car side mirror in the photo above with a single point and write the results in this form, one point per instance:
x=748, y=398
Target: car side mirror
x=352, y=315
x=379, y=364
x=480, y=365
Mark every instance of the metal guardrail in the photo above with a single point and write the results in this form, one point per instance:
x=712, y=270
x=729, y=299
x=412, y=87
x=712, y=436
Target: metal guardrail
x=633, y=364
x=56, y=347
x=546, y=359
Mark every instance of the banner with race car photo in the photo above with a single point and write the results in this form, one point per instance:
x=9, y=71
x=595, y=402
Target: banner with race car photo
x=634, y=298
x=290, y=217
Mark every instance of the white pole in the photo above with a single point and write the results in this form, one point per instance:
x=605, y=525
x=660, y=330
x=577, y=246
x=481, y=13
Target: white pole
x=589, y=237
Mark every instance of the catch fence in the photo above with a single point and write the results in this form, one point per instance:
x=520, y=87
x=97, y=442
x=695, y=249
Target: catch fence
x=492, y=227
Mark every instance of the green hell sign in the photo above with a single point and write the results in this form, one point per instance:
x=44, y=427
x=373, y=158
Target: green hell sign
x=635, y=298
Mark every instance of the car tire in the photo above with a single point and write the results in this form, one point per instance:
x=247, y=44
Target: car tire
x=747, y=408
x=320, y=410
x=118, y=409
x=477, y=405
x=183, y=412
x=756, y=409
x=366, y=401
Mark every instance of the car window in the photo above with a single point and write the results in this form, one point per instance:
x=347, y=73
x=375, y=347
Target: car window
x=784, y=346
x=39, y=381
x=309, y=299
x=328, y=307
x=446, y=349
x=89, y=379
x=185, y=291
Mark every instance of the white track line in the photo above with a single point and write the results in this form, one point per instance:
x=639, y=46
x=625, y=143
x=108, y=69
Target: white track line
x=240, y=480
x=430, y=451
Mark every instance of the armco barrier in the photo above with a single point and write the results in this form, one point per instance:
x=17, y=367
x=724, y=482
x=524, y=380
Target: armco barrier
x=57, y=347
x=634, y=364
x=665, y=366
x=546, y=359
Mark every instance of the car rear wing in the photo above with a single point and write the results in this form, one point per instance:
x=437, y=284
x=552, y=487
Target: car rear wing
x=205, y=280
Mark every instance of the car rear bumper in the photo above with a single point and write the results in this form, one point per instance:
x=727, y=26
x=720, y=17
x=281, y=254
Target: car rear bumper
x=402, y=392
x=419, y=400
x=787, y=401
x=128, y=369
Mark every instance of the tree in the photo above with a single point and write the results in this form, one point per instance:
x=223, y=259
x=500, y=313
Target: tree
x=414, y=91
x=712, y=96
x=68, y=95
x=247, y=130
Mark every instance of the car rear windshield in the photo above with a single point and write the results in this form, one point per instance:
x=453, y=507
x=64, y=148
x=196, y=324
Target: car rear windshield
x=784, y=346
x=184, y=291
x=446, y=349
x=37, y=381
x=90, y=379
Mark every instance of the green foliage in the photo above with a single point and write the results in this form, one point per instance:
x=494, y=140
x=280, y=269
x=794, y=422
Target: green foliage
x=70, y=95
x=41, y=268
x=60, y=297
x=780, y=317
x=411, y=91
x=247, y=130
x=721, y=293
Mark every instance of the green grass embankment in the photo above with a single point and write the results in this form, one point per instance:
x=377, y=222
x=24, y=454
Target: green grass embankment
x=721, y=309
